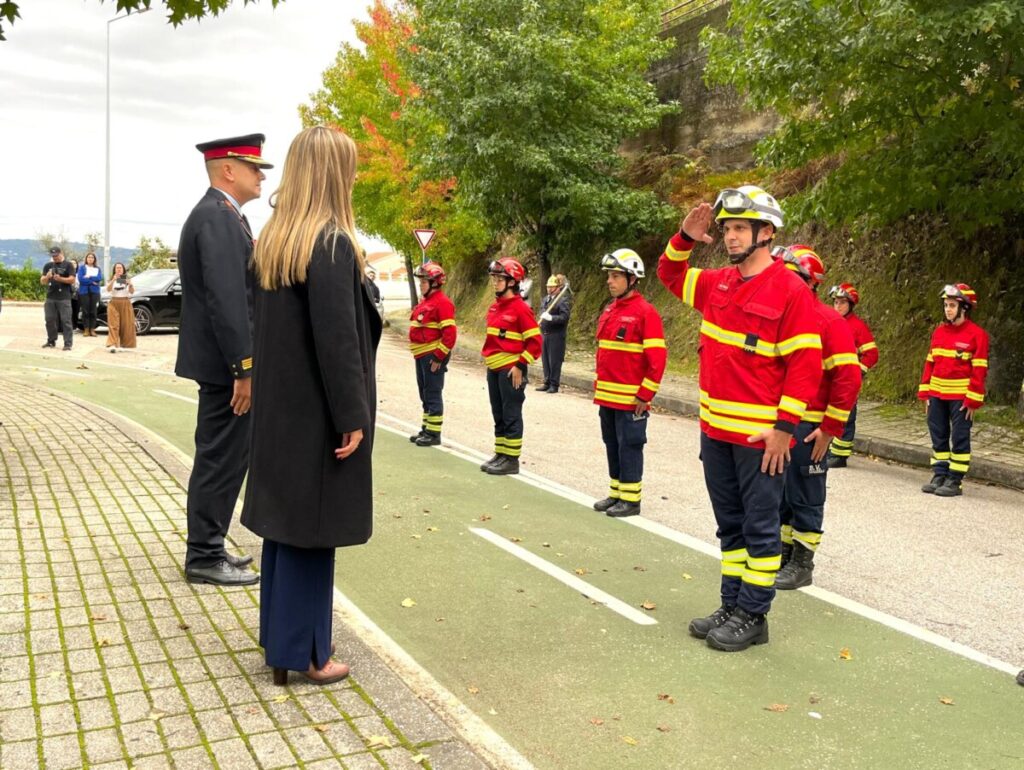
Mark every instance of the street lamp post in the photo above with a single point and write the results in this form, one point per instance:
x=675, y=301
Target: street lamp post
x=106, y=196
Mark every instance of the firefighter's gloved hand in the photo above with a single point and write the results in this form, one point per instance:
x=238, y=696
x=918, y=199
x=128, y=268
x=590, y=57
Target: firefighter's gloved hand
x=546, y=316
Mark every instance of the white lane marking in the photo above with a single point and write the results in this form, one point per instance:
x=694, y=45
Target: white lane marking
x=472, y=728
x=65, y=372
x=559, y=574
x=870, y=613
x=178, y=396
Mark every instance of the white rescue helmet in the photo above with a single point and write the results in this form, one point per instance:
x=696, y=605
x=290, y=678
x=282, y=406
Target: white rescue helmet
x=624, y=260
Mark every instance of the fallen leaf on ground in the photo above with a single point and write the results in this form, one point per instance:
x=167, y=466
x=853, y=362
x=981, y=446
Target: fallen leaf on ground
x=505, y=507
x=687, y=576
x=845, y=654
x=492, y=712
x=433, y=529
x=581, y=571
x=778, y=708
x=666, y=697
x=629, y=739
x=155, y=714
x=408, y=602
x=473, y=690
x=320, y=728
x=814, y=715
x=103, y=643
x=485, y=517
x=597, y=721
x=378, y=742
x=516, y=539
x=97, y=618
x=814, y=699
x=638, y=568
x=397, y=515
x=419, y=758
x=664, y=728
x=649, y=605
x=253, y=710
x=439, y=620
x=184, y=626
x=946, y=701
x=280, y=698
x=416, y=537
x=546, y=545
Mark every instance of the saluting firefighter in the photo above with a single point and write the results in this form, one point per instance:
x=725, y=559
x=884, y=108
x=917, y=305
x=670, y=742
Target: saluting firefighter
x=631, y=357
x=512, y=343
x=803, y=501
x=845, y=298
x=555, y=309
x=432, y=334
x=953, y=388
x=760, y=365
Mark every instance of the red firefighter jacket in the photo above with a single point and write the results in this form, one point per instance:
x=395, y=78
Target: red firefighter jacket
x=631, y=353
x=841, y=376
x=956, y=365
x=867, y=350
x=760, y=349
x=432, y=326
x=513, y=336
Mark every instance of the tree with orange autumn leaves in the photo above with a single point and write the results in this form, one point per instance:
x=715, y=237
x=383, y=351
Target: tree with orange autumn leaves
x=367, y=93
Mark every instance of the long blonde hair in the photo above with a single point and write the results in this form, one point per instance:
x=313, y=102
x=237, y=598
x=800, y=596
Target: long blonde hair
x=315, y=197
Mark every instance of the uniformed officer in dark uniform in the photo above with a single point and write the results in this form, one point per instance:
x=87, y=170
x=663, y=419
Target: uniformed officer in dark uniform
x=215, y=350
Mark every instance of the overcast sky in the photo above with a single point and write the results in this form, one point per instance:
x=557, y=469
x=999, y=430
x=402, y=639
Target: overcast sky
x=243, y=72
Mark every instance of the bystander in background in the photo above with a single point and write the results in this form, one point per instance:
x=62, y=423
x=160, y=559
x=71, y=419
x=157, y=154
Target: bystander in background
x=58, y=279
x=120, y=316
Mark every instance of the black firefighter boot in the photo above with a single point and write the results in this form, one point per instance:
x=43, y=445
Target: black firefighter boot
x=934, y=484
x=1020, y=678
x=414, y=438
x=741, y=630
x=621, y=509
x=487, y=464
x=798, y=570
x=429, y=439
x=951, y=487
x=787, y=554
x=604, y=505
x=505, y=465
x=700, y=627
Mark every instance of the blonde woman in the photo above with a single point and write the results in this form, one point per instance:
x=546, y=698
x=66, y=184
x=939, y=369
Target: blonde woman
x=313, y=402
x=120, y=316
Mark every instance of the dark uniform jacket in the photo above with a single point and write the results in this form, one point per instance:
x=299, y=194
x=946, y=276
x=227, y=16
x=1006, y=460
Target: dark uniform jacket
x=559, y=316
x=215, y=340
x=316, y=344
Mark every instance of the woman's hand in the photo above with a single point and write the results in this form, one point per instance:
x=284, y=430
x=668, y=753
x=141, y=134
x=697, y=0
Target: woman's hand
x=349, y=443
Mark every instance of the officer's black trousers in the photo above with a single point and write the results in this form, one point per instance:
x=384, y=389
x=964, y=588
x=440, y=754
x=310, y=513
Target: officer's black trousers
x=431, y=387
x=222, y=455
x=296, y=598
x=746, y=505
x=624, y=438
x=947, y=419
x=507, y=411
x=843, y=447
x=552, y=354
x=803, y=499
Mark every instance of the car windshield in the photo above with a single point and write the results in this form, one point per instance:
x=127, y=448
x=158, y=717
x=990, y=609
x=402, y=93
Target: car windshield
x=152, y=279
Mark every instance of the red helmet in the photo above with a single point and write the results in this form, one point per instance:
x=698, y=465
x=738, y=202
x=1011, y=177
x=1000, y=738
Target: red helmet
x=845, y=291
x=803, y=261
x=507, y=267
x=431, y=271
x=961, y=292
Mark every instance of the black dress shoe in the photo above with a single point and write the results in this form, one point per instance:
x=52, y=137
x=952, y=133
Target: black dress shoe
x=542, y=388
x=238, y=561
x=221, y=574
x=553, y=389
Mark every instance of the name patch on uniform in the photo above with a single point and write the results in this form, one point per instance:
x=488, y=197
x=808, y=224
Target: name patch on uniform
x=816, y=470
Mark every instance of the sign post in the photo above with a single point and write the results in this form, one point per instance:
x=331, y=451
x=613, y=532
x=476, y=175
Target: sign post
x=424, y=238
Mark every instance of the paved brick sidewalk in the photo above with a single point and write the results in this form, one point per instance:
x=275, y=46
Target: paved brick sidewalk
x=109, y=659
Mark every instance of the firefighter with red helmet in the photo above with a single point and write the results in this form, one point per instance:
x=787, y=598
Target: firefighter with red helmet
x=631, y=356
x=513, y=342
x=432, y=333
x=953, y=388
x=760, y=365
x=803, y=501
x=845, y=299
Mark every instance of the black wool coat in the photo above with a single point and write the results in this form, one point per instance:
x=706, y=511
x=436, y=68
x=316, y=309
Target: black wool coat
x=315, y=378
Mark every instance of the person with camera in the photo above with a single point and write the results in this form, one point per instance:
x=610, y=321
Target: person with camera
x=58, y=277
x=120, y=316
x=90, y=278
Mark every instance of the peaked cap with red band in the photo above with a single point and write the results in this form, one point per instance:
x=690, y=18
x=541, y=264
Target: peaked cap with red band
x=247, y=148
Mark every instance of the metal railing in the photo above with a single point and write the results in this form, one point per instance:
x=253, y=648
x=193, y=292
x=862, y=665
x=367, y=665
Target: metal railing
x=690, y=9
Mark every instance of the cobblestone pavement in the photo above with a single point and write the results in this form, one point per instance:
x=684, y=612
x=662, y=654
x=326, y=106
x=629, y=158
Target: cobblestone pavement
x=109, y=659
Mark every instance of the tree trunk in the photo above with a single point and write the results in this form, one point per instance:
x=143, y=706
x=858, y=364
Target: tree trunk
x=412, y=281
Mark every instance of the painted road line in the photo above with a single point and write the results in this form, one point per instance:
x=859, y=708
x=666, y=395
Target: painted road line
x=559, y=574
x=65, y=372
x=178, y=396
x=855, y=607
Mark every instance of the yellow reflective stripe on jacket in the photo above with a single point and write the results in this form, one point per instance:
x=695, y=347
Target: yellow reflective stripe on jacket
x=840, y=359
x=676, y=255
x=799, y=342
x=739, y=340
x=428, y=325
x=738, y=408
x=627, y=347
x=444, y=348
x=979, y=397
x=866, y=347
x=447, y=322
x=733, y=425
x=528, y=357
x=792, y=405
x=654, y=342
x=614, y=398
x=425, y=347
x=690, y=284
x=814, y=417
x=651, y=385
x=950, y=387
x=836, y=413
x=980, y=362
x=500, y=360
x=924, y=387
x=527, y=334
x=617, y=387
x=495, y=331
x=948, y=353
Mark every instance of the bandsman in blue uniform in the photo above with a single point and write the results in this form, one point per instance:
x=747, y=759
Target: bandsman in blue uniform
x=215, y=350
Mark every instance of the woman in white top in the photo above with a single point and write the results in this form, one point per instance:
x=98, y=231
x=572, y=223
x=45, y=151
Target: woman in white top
x=120, y=316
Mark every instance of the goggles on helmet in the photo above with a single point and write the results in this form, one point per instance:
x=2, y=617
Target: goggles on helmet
x=839, y=293
x=496, y=268
x=950, y=291
x=608, y=262
x=738, y=202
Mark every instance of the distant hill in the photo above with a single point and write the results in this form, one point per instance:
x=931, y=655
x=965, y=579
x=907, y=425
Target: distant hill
x=14, y=252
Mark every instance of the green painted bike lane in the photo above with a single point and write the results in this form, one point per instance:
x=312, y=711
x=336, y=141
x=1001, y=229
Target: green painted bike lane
x=572, y=684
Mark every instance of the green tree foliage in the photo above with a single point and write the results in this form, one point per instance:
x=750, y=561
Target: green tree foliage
x=916, y=106
x=60, y=238
x=21, y=283
x=536, y=98
x=367, y=93
x=151, y=253
x=178, y=11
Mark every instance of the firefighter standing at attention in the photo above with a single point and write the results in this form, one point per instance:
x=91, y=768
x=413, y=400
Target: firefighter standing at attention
x=512, y=343
x=631, y=357
x=803, y=500
x=953, y=388
x=432, y=334
x=760, y=365
x=845, y=298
